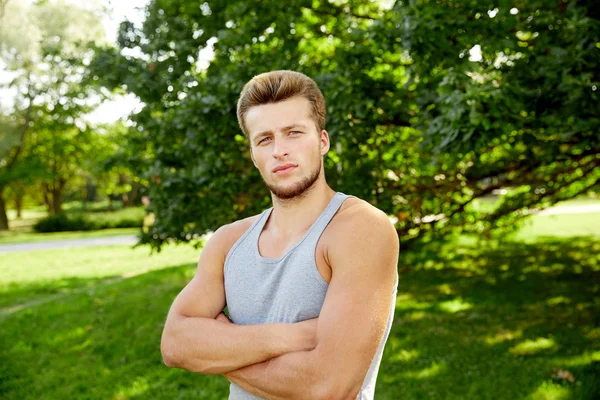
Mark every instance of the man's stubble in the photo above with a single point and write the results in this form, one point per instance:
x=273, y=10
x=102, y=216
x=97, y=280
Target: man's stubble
x=298, y=189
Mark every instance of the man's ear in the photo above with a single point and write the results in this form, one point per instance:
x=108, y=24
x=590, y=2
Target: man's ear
x=325, y=144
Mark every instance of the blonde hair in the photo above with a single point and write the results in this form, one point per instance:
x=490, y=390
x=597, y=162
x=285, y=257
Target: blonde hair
x=275, y=86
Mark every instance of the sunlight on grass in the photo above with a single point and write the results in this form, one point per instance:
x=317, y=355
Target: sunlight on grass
x=551, y=391
x=68, y=336
x=416, y=315
x=404, y=355
x=12, y=237
x=138, y=387
x=529, y=347
x=414, y=305
x=445, y=288
x=435, y=369
x=577, y=361
x=503, y=336
x=456, y=305
x=30, y=275
x=554, y=301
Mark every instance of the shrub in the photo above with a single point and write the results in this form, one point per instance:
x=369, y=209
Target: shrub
x=63, y=222
x=82, y=222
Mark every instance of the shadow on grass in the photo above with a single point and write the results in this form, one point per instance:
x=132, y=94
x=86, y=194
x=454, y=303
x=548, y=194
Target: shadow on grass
x=501, y=320
x=497, y=321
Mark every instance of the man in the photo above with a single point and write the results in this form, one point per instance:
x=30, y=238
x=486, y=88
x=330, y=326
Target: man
x=309, y=284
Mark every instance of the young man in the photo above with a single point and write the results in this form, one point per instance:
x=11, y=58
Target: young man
x=310, y=284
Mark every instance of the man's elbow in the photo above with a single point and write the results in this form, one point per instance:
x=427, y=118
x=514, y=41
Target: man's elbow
x=331, y=389
x=173, y=356
x=168, y=352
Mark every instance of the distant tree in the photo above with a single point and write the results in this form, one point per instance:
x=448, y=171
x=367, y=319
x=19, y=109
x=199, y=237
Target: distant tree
x=43, y=133
x=432, y=105
x=112, y=170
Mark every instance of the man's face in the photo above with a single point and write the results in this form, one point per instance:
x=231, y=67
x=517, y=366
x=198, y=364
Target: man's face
x=285, y=146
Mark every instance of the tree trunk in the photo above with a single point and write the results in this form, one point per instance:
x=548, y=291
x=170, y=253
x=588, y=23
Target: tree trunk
x=19, y=193
x=46, y=193
x=57, y=195
x=84, y=199
x=53, y=196
x=19, y=205
x=134, y=194
x=3, y=217
x=56, y=202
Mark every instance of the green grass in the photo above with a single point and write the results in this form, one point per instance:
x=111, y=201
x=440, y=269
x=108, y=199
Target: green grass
x=559, y=225
x=30, y=237
x=474, y=320
x=43, y=274
x=101, y=339
x=495, y=321
x=489, y=203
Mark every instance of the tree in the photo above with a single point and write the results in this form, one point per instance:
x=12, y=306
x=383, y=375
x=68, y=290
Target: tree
x=431, y=105
x=47, y=62
x=112, y=169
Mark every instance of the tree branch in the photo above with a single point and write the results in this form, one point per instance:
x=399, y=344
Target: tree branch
x=24, y=129
x=337, y=14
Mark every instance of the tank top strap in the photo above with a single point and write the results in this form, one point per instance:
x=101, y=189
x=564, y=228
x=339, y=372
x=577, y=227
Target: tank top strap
x=319, y=226
x=259, y=224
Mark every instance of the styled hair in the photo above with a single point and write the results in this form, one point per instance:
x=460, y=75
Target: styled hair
x=275, y=86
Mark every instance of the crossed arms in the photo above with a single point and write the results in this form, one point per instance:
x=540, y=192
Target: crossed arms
x=327, y=357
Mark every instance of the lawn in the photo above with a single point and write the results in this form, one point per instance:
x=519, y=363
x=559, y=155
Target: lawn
x=30, y=237
x=505, y=319
x=21, y=229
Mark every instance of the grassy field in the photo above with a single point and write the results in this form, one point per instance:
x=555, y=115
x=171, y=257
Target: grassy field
x=516, y=318
x=31, y=237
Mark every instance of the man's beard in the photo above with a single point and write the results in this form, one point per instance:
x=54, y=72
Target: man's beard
x=286, y=193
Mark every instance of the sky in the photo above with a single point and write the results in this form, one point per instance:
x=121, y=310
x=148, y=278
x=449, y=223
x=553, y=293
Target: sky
x=117, y=11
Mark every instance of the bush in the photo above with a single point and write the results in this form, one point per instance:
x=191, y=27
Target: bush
x=81, y=222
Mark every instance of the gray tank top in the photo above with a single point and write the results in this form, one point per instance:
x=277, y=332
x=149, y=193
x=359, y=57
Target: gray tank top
x=287, y=289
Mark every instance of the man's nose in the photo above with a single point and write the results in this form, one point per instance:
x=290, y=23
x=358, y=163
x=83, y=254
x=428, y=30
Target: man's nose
x=279, y=148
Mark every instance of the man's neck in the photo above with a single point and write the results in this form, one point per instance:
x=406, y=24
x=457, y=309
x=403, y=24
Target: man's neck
x=291, y=216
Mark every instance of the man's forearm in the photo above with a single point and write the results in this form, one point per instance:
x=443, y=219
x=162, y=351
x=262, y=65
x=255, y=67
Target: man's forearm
x=208, y=346
x=290, y=376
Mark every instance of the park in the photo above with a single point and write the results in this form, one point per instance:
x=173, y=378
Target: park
x=474, y=127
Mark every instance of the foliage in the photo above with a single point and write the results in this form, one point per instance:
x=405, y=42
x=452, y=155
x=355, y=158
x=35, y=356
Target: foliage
x=431, y=105
x=112, y=172
x=87, y=222
x=44, y=139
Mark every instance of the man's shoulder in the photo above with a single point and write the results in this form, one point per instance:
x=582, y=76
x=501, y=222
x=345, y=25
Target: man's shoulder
x=225, y=237
x=356, y=212
x=357, y=218
x=359, y=232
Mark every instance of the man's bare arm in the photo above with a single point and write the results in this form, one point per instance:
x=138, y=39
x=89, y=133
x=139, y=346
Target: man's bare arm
x=351, y=324
x=194, y=340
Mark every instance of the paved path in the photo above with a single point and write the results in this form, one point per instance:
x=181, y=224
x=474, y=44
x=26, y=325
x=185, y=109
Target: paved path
x=63, y=244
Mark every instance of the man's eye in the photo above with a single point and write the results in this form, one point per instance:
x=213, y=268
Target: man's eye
x=262, y=140
x=298, y=132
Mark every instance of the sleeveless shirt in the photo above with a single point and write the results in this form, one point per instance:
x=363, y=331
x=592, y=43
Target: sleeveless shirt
x=286, y=289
